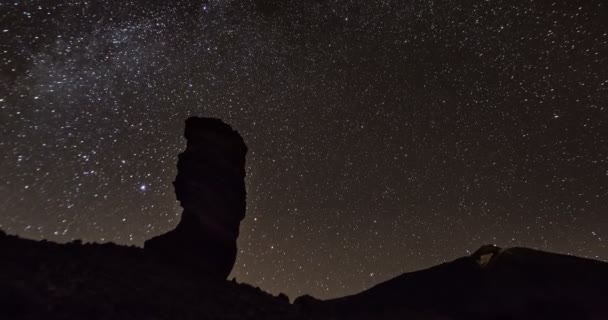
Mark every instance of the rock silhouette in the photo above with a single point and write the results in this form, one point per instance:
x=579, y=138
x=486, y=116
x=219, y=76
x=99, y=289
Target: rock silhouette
x=210, y=186
x=75, y=281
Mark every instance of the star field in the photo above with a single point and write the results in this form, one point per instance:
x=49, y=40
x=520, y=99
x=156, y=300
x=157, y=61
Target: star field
x=384, y=136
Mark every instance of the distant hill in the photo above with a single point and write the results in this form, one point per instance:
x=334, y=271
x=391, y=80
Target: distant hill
x=493, y=283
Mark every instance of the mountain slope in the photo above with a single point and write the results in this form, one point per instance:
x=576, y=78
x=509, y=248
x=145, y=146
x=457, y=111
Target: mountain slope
x=493, y=283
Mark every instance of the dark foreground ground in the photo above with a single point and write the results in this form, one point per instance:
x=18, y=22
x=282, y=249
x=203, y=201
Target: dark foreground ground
x=45, y=280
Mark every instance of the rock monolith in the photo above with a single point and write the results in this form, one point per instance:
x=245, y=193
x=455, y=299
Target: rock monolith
x=210, y=186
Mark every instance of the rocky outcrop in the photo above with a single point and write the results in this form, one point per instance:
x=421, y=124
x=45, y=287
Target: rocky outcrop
x=210, y=186
x=75, y=281
x=487, y=254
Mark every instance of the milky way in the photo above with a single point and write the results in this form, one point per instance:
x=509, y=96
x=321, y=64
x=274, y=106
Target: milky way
x=384, y=136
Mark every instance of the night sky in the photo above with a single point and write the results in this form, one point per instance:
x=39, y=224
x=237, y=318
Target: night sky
x=384, y=136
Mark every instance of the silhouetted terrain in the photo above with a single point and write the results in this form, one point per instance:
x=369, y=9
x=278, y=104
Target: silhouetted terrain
x=493, y=283
x=45, y=280
x=182, y=274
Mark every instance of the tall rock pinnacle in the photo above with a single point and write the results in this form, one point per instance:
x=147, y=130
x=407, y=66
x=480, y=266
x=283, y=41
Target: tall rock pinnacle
x=210, y=185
